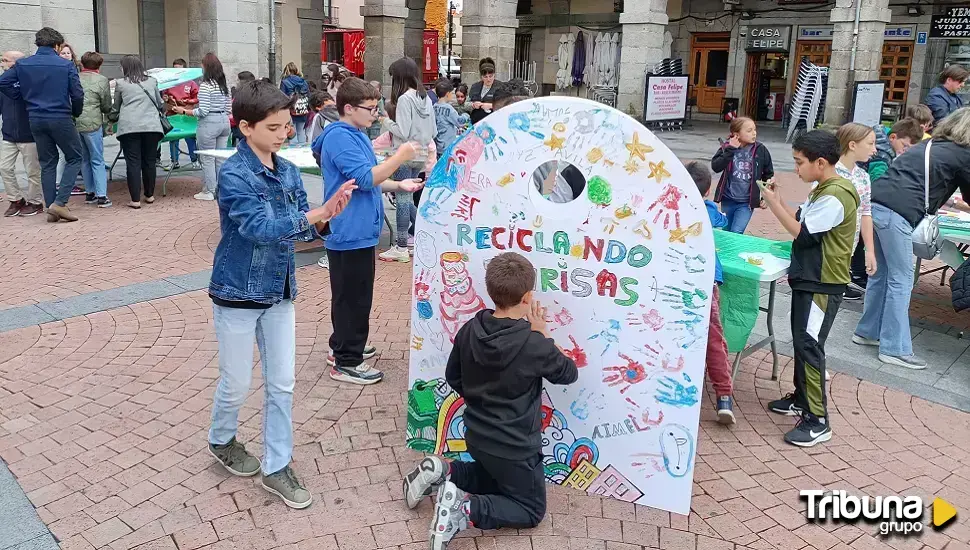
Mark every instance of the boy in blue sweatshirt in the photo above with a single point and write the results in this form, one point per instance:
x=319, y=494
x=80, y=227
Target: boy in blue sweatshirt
x=718, y=369
x=346, y=154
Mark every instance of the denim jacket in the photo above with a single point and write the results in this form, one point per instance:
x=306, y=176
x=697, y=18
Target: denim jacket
x=261, y=214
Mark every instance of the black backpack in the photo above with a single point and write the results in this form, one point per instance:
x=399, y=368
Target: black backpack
x=302, y=105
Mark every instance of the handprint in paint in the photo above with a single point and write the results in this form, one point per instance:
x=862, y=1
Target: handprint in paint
x=422, y=296
x=688, y=299
x=690, y=323
x=650, y=320
x=576, y=353
x=668, y=201
x=626, y=375
x=610, y=334
x=673, y=392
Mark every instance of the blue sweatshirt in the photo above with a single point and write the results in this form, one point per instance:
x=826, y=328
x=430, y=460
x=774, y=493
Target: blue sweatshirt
x=717, y=220
x=48, y=83
x=346, y=153
x=16, y=127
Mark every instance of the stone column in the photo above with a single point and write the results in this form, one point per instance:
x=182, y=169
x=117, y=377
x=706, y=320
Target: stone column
x=74, y=20
x=414, y=31
x=151, y=33
x=235, y=30
x=644, y=23
x=872, y=23
x=311, y=33
x=384, y=33
x=488, y=30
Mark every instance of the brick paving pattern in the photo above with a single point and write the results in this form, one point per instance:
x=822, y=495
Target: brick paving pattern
x=103, y=420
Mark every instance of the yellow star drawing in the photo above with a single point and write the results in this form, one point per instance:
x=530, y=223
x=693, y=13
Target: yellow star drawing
x=555, y=142
x=631, y=166
x=658, y=171
x=638, y=149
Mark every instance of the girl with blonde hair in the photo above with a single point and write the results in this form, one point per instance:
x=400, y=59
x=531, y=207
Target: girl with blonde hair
x=857, y=144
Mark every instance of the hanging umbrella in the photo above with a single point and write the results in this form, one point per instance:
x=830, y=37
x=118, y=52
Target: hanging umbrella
x=563, y=74
x=589, y=74
x=579, y=59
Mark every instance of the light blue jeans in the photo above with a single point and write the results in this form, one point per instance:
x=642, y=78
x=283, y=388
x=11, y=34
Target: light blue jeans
x=92, y=163
x=406, y=212
x=274, y=331
x=738, y=215
x=299, y=124
x=885, y=315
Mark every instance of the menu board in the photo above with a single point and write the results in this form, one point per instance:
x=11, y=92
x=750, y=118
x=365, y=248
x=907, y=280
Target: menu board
x=867, y=102
x=955, y=23
x=665, y=98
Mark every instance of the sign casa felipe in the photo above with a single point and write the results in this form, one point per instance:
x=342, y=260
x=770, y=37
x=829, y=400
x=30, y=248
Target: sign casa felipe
x=893, y=514
x=767, y=38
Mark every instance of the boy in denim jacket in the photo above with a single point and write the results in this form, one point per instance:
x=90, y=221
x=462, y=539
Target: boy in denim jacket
x=263, y=210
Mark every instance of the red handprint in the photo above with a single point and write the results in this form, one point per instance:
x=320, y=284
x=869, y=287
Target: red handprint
x=576, y=353
x=669, y=200
x=665, y=364
x=632, y=373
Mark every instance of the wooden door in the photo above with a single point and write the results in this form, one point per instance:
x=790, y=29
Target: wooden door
x=897, y=60
x=708, y=69
x=818, y=52
x=749, y=104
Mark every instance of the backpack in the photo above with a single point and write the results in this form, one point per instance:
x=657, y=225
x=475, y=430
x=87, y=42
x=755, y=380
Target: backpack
x=302, y=105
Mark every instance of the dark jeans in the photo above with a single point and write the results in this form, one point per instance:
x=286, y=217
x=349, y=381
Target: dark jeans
x=812, y=316
x=352, y=294
x=51, y=135
x=859, y=275
x=503, y=493
x=141, y=150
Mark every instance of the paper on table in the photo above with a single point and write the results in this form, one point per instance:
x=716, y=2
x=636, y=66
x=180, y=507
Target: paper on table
x=766, y=262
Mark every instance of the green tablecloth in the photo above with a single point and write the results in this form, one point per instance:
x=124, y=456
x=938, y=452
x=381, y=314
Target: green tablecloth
x=741, y=291
x=184, y=126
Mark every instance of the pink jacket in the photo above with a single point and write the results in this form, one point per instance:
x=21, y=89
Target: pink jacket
x=383, y=141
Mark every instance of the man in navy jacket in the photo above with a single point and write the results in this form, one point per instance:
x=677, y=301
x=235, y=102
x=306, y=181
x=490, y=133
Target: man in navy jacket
x=18, y=142
x=52, y=90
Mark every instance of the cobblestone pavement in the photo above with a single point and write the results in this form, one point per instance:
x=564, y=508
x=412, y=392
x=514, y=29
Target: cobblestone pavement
x=103, y=420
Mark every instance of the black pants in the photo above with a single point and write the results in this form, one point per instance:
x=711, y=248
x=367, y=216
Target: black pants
x=140, y=151
x=51, y=135
x=812, y=316
x=859, y=275
x=352, y=294
x=503, y=493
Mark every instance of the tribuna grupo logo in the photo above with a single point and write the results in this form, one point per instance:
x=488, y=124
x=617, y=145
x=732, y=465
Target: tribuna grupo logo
x=901, y=515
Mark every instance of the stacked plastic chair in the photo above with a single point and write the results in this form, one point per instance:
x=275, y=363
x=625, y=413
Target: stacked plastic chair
x=808, y=102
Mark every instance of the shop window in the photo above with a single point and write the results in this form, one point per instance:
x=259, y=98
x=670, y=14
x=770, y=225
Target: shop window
x=717, y=63
x=895, y=70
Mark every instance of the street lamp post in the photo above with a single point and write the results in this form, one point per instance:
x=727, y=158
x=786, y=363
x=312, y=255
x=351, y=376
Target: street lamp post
x=451, y=33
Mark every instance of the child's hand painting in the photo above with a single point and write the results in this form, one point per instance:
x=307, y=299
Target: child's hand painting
x=537, y=318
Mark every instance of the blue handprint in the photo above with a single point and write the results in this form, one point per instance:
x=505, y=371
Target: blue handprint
x=690, y=322
x=674, y=393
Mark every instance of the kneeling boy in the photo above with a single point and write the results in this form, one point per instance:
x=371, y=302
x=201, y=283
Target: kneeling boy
x=498, y=364
x=824, y=231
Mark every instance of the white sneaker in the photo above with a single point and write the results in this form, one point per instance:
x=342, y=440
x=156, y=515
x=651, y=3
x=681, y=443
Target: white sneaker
x=906, y=361
x=856, y=339
x=324, y=262
x=205, y=196
x=395, y=254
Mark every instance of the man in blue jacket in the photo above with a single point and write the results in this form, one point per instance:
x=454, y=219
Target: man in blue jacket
x=52, y=90
x=18, y=142
x=943, y=99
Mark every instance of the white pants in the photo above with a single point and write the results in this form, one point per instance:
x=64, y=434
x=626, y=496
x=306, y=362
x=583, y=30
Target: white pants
x=8, y=171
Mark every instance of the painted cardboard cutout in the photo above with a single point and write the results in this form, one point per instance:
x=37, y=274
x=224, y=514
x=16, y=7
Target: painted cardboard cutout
x=626, y=270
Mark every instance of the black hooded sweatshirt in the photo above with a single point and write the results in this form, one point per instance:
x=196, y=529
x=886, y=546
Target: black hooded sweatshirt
x=498, y=365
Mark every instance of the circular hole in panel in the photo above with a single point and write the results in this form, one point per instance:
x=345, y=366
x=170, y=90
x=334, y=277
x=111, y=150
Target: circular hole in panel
x=558, y=181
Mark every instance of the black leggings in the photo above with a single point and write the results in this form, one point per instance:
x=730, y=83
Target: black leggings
x=141, y=150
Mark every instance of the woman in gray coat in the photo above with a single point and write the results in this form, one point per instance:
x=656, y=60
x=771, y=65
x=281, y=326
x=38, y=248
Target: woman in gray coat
x=136, y=110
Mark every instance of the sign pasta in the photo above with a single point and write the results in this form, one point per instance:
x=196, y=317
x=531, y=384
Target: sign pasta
x=624, y=259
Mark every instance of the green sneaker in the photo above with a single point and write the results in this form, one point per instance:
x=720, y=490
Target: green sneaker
x=234, y=458
x=285, y=485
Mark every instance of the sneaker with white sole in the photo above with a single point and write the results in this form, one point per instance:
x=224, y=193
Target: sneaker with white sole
x=285, y=485
x=906, y=361
x=856, y=339
x=324, y=262
x=451, y=515
x=809, y=432
x=362, y=375
x=235, y=458
x=395, y=254
x=785, y=406
x=369, y=352
x=204, y=196
x=431, y=472
x=725, y=410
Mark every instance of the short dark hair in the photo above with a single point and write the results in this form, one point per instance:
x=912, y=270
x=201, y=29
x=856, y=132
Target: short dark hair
x=463, y=88
x=48, y=37
x=91, y=61
x=508, y=277
x=818, y=144
x=257, y=100
x=908, y=128
x=318, y=98
x=180, y=61
x=508, y=93
x=956, y=72
x=443, y=87
x=245, y=76
x=701, y=176
x=353, y=92
x=921, y=113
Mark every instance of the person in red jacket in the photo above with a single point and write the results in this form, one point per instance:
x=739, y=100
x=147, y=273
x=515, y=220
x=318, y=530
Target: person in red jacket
x=183, y=95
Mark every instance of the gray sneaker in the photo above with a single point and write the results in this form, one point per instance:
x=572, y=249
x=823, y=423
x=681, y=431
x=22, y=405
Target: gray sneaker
x=450, y=515
x=234, y=458
x=905, y=361
x=425, y=478
x=285, y=485
x=856, y=339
